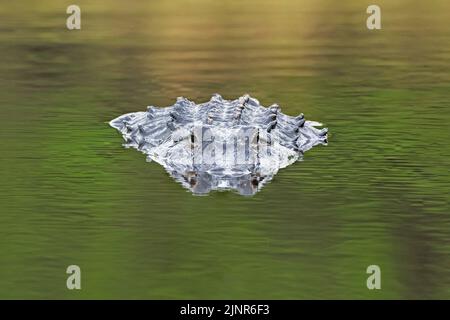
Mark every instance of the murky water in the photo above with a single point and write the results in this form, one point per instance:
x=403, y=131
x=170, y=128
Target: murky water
x=377, y=194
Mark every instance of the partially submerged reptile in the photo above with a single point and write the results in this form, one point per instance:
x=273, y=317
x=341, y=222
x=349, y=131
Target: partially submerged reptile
x=220, y=144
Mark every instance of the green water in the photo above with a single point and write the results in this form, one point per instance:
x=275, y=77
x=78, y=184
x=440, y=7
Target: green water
x=377, y=194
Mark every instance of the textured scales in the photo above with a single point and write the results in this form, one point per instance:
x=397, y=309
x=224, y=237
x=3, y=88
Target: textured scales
x=168, y=136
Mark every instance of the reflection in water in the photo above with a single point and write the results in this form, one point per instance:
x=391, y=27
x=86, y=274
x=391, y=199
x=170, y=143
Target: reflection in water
x=220, y=145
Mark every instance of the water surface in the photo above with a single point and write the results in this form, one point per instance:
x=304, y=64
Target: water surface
x=377, y=194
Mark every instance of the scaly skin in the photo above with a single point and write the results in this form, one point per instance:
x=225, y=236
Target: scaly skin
x=250, y=142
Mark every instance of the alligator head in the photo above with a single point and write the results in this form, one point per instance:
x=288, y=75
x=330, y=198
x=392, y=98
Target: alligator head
x=220, y=144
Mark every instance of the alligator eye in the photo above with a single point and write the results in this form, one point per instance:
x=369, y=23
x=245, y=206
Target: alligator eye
x=193, y=181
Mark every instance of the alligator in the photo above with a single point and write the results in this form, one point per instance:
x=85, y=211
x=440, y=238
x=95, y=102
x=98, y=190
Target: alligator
x=221, y=144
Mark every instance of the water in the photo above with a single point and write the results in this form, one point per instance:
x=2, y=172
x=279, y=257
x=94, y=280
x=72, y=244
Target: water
x=377, y=194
